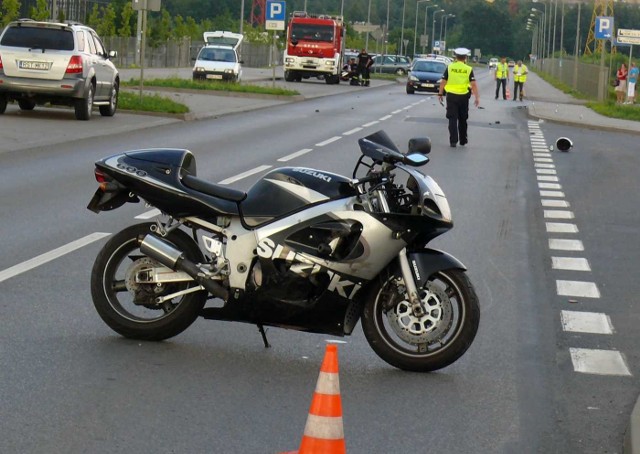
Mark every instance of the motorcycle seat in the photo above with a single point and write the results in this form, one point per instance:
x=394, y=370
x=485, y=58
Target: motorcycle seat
x=212, y=189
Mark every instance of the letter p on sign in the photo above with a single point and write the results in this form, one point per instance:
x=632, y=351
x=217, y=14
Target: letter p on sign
x=275, y=9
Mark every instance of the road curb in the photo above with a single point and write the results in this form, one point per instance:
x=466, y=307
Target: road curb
x=632, y=435
x=536, y=116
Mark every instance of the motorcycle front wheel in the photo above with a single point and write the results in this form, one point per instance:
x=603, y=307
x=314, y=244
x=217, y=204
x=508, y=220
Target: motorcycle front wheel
x=129, y=307
x=432, y=341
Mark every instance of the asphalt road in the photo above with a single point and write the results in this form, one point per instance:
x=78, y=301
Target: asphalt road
x=70, y=385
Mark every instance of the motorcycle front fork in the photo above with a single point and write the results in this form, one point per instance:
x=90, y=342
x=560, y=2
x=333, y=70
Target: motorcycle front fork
x=409, y=282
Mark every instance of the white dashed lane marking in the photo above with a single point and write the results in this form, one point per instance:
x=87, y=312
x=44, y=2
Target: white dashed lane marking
x=558, y=214
x=561, y=227
x=51, y=255
x=565, y=245
x=586, y=322
x=328, y=141
x=579, y=289
x=552, y=194
x=386, y=117
x=371, y=123
x=549, y=186
x=149, y=214
x=598, y=362
x=351, y=131
x=555, y=203
x=570, y=263
x=295, y=155
x=246, y=174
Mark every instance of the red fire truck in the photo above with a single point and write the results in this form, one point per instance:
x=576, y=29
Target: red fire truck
x=314, y=47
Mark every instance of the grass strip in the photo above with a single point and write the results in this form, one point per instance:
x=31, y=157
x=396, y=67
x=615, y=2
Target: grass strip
x=149, y=103
x=608, y=108
x=206, y=85
x=621, y=111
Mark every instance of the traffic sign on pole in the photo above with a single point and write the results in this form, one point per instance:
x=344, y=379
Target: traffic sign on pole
x=627, y=36
x=604, y=27
x=275, y=15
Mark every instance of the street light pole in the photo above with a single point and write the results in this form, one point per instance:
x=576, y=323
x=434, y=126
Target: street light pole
x=366, y=43
x=445, y=25
x=433, y=27
x=415, y=28
x=241, y=16
x=404, y=6
x=426, y=15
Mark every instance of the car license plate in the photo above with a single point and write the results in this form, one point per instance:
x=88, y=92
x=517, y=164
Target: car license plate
x=39, y=65
x=214, y=76
x=428, y=85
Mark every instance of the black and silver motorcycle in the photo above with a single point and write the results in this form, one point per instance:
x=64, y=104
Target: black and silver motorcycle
x=302, y=249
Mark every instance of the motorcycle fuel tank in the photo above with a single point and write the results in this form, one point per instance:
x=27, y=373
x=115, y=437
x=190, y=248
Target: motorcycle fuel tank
x=286, y=190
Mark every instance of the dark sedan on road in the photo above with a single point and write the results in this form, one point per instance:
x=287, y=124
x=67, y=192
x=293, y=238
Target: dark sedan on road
x=425, y=75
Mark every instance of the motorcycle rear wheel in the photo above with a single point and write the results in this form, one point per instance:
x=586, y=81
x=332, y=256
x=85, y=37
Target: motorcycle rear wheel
x=427, y=343
x=113, y=288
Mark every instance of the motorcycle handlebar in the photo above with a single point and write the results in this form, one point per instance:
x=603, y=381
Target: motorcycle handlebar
x=368, y=179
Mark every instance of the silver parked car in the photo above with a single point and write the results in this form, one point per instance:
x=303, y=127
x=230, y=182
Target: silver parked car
x=64, y=64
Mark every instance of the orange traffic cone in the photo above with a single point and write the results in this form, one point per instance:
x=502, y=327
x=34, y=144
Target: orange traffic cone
x=324, y=432
x=508, y=93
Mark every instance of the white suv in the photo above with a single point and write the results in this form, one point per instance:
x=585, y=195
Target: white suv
x=65, y=64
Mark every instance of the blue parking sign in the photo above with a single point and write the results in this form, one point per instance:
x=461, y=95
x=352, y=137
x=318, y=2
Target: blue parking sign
x=604, y=27
x=276, y=10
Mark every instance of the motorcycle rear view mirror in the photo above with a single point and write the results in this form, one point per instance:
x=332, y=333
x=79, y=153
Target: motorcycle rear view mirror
x=420, y=145
x=416, y=159
x=564, y=144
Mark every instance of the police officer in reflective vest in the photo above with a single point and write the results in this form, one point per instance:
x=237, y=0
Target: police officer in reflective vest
x=502, y=77
x=520, y=72
x=459, y=83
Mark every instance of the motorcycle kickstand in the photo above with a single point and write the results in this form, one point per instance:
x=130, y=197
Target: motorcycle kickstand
x=263, y=333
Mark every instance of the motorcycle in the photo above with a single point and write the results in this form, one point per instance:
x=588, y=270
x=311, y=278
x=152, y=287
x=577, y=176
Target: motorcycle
x=303, y=249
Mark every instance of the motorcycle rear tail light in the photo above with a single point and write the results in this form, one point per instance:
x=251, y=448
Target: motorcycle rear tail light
x=100, y=177
x=75, y=65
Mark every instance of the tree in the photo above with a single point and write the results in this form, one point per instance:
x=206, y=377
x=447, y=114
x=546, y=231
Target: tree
x=126, y=16
x=40, y=11
x=10, y=11
x=107, y=23
x=94, y=17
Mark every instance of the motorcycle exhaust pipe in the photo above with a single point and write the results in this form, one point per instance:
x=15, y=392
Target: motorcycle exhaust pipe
x=164, y=252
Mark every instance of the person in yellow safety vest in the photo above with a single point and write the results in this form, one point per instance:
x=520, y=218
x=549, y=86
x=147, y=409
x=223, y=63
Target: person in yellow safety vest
x=520, y=72
x=502, y=77
x=459, y=82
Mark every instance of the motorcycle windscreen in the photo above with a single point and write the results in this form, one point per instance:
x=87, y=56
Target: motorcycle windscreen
x=379, y=147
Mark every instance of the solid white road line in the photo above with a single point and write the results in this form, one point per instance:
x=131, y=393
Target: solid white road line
x=351, y=131
x=579, y=289
x=246, y=174
x=295, y=155
x=149, y=214
x=565, y=245
x=555, y=203
x=570, y=263
x=561, y=227
x=371, y=123
x=328, y=141
x=552, y=194
x=586, y=322
x=386, y=117
x=558, y=214
x=51, y=255
x=598, y=362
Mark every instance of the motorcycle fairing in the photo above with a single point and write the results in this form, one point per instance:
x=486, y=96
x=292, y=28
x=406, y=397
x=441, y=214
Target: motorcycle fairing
x=156, y=176
x=288, y=189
